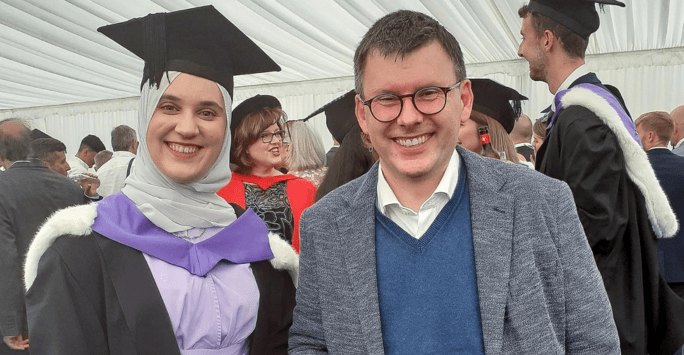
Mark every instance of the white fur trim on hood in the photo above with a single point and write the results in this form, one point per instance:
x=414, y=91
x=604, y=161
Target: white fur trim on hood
x=663, y=219
x=76, y=221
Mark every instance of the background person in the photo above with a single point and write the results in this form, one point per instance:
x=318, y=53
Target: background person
x=113, y=175
x=85, y=157
x=621, y=205
x=167, y=266
x=678, y=135
x=101, y=158
x=279, y=199
x=306, y=155
x=655, y=130
x=521, y=136
x=29, y=193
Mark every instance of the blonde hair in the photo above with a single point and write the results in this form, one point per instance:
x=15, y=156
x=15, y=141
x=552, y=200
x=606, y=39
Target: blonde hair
x=306, y=147
x=659, y=122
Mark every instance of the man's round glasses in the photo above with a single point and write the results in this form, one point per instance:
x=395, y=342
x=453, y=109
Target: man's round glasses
x=267, y=137
x=428, y=101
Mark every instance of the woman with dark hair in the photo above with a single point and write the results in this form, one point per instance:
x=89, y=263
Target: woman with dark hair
x=166, y=266
x=279, y=199
x=353, y=159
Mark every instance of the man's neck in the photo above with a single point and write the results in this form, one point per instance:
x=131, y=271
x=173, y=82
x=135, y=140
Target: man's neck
x=412, y=192
x=560, y=71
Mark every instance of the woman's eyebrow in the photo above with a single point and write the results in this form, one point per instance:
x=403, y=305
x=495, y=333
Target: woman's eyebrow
x=170, y=97
x=209, y=103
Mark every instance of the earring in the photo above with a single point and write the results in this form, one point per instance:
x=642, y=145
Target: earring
x=370, y=149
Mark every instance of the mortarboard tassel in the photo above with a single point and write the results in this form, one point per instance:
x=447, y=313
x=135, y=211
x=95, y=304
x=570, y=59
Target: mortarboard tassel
x=154, y=36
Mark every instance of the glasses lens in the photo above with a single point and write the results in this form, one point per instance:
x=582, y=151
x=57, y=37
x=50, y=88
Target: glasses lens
x=386, y=107
x=430, y=100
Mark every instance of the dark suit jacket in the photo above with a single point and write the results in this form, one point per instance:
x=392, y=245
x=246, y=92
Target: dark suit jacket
x=29, y=193
x=669, y=169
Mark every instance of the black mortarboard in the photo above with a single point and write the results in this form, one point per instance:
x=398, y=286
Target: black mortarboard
x=339, y=115
x=579, y=16
x=38, y=134
x=199, y=41
x=248, y=106
x=497, y=101
x=93, y=142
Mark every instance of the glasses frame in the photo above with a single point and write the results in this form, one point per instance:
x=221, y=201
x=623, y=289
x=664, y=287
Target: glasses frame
x=281, y=132
x=401, y=98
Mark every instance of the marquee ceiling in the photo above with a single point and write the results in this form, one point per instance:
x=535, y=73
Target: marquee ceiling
x=51, y=53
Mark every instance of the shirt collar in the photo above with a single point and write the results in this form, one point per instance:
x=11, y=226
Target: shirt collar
x=447, y=185
x=658, y=147
x=582, y=70
x=678, y=143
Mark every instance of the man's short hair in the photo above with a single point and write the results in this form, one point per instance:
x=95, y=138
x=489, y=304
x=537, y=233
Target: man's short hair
x=101, y=158
x=573, y=44
x=15, y=145
x=399, y=34
x=122, y=136
x=44, y=149
x=91, y=142
x=659, y=122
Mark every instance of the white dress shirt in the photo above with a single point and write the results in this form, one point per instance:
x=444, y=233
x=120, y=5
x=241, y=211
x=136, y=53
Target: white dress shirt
x=582, y=70
x=77, y=166
x=417, y=223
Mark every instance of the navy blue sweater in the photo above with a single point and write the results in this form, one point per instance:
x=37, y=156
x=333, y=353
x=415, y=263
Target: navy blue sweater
x=427, y=287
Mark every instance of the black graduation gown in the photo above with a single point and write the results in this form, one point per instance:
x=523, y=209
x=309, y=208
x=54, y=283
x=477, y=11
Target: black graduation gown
x=109, y=303
x=582, y=151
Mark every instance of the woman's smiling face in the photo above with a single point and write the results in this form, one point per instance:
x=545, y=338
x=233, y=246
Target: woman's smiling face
x=187, y=130
x=267, y=155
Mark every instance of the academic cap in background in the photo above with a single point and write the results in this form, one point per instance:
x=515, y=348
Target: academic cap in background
x=579, y=16
x=38, y=134
x=250, y=105
x=339, y=115
x=497, y=101
x=199, y=41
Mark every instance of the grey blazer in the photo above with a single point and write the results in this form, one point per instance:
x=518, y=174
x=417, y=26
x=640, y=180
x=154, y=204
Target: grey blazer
x=540, y=291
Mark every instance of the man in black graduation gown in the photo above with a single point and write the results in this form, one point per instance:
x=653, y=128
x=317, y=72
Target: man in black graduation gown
x=592, y=145
x=29, y=193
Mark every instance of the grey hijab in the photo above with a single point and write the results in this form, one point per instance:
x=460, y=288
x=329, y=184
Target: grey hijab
x=171, y=206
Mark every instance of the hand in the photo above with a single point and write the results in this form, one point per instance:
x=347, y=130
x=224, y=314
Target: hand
x=90, y=185
x=17, y=342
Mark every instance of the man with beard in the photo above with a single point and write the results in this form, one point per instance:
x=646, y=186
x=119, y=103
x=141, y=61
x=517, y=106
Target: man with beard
x=592, y=144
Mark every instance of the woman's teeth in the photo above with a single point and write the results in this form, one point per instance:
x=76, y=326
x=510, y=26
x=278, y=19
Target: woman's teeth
x=182, y=148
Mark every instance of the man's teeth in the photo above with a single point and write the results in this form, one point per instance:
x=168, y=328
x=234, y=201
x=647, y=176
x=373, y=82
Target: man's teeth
x=182, y=148
x=412, y=142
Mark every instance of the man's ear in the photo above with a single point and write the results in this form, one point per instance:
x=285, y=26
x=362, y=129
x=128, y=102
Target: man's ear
x=548, y=41
x=360, y=111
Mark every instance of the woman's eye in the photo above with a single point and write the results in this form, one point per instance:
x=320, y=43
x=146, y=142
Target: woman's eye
x=168, y=107
x=207, y=113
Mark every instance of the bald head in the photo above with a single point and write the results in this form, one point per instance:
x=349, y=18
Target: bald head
x=15, y=141
x=522, y=131
x=678, y=117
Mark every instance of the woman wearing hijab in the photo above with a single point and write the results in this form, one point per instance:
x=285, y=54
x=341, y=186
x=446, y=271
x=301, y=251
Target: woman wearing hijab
x=258, y=130
x=167, y=266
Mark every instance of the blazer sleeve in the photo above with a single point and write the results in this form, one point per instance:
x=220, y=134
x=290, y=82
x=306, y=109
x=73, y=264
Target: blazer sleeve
x=306, y=334
x=590, y=328
x=62, y=319
x=12, y=312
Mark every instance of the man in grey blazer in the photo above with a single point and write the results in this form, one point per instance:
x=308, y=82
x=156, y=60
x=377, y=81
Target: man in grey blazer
x=437, y=250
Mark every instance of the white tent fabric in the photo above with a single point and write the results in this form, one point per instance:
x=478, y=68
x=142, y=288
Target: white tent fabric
x=56, y=69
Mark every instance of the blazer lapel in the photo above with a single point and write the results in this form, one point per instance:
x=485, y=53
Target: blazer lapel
x=357, y=225
x=139, y=298
x=491, y=216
